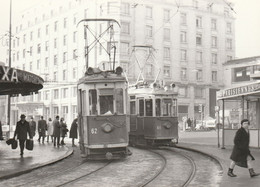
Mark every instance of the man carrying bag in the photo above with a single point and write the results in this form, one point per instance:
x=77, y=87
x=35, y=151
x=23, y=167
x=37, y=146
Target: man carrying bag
x=22, y=128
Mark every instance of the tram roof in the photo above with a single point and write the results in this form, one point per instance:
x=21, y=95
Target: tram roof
x=151, y=91
x=104, y=76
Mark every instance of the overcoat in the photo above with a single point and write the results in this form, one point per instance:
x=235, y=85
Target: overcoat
x=42, y=127
x=32, y=127
x=74, y=129
x=63, y=130
x=241, y=148
x=56, y=128
x=22, y=129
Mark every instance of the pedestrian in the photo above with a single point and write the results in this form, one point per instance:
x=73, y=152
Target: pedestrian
x=32, y=124
x=74, y=131
x=42, y=127
x=189, y=123
x=63, y=130
x=21, y=130
x=49, y=130
x=56, y=131
x=241, y=155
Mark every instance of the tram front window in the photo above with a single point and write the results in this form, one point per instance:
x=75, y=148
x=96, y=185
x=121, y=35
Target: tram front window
x=106, y=104
x=167, y=107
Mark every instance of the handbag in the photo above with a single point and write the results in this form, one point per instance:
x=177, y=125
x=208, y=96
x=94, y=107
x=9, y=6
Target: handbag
x=9, y=141
x=29, y=145
x=14, y=144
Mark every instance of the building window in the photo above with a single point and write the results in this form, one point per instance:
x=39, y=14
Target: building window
x=56, y=93
x=199, y=75
x=31, y=36
x=199, y=57
x=55, y=26
x=65, y=93
x=64, y=57
x=24, y=38
x=166, y=53
x=124, y=48
x=229, y=57
x=183, y=74
x=213, y=24
x=183, y=55
x=199, y=92
x=195, y=4
x=167, y=71
x=55, y=76
x=214, y=58
x=167, y=34
x=46, y=45
x=74, y=73
x=65, y=23
x=149, y=31
x=65, y=40
x=18, y=42
x=46, y=95
x=75, y=19
x=183, y=19
x=39, y=33
x=125, y=28
x=198, y=22
x=183, y=37
x=23, y=53
x=31, y=51
x=38, y=63
x=55, y=59
x=75, y=37
x=149, y=12
x=226, y=11
x=75, y=56
x=125, y=8
x=214, y=41
x=46, y=62
x=214, y=76
x=112, y=7
x=241, y=74
x=31, y=66
x=229, y=28
x=55, y=43
x=39, y=48
x=64, y=75
x=166, y=15
x=229, y=43
x=74, y=91
x=56, y=111
x=65, y=112
x=199, y=39
x=47, y=29
x=17, y=55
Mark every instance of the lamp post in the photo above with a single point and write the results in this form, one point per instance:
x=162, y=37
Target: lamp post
x=10, y=48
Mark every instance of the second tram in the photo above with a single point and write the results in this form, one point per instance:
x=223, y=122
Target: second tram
x=153, y=114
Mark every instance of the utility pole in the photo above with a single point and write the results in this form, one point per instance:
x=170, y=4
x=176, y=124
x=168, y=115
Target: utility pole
x=10, y=48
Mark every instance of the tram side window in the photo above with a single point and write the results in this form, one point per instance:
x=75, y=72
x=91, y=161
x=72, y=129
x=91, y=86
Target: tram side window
x=92, y=102
x=132, y=107
x=119, y=101
x=166, y=107
x=149, y=107
x=174, y=107
x=158, y=107
x=141, y=107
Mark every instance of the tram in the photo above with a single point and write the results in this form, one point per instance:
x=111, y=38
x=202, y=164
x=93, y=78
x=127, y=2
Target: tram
x=153, y=114
x=102, y=111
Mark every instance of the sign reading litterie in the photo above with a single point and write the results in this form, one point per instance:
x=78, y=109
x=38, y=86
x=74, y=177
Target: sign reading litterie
x=14, y=75
x=243, y=90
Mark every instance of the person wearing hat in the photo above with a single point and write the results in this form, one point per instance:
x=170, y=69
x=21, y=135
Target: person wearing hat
x=241, y=155
x=21, y=130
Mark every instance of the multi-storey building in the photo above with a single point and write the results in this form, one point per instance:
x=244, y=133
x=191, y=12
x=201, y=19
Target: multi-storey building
x=191, y=38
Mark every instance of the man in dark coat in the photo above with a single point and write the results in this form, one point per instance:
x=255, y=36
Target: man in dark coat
x=42, y=127
x=241, y=155
x=22, y=128
x=56, y=131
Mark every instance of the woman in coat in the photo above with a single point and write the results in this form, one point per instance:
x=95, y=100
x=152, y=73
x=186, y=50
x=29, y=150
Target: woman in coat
x=241, y=155
x=49, y=130
x=74, y=131
x=63, y=130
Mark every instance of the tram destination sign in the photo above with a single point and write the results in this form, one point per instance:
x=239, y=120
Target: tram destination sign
x=238, y=91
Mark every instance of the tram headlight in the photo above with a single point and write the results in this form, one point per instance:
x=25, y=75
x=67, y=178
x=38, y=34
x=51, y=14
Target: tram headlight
x=107, y=127
x=167, y=125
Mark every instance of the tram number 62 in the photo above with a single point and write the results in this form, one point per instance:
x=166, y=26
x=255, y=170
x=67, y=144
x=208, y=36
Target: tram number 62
x=93, y=130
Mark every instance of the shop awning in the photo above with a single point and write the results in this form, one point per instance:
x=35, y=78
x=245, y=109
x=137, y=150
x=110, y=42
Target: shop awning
x=248, y=90
x=14, y=81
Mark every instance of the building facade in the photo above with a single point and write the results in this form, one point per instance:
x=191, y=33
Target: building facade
x=191, y=41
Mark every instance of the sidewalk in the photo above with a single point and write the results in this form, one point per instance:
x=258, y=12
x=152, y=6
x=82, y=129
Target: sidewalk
x=12, y=164
x=222, y=155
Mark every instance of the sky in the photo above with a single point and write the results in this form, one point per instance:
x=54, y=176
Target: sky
x=247, y=24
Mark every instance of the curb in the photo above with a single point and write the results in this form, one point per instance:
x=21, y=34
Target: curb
x=37, y=166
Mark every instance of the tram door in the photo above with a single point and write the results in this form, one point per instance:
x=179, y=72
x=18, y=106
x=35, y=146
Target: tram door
x=140, y=115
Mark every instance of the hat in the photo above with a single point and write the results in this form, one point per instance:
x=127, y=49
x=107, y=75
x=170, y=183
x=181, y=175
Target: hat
x=22, y=116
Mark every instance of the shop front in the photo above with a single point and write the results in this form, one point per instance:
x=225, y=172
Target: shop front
x=239, y=103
